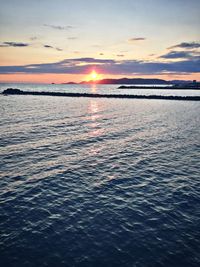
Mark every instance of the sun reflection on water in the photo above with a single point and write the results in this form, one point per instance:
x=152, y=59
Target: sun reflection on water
x=93, y=88
x=96, y=129
x=95, y=126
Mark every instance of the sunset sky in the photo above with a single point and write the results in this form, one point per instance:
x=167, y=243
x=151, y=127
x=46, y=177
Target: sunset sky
x=65, y=40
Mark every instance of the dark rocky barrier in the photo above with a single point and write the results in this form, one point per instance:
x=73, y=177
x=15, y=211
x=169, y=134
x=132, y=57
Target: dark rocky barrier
x=12, y=91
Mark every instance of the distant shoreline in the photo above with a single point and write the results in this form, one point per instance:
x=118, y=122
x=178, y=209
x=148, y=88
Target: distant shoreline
x=12, y=91
x=158, y=87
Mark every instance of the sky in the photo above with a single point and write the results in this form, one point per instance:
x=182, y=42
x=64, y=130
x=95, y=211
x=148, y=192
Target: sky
x=46, y=41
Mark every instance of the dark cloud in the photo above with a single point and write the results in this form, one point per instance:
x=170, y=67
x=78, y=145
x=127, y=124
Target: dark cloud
x=19, y=44
x=49, y=46
x=108, y=66
x=186, y=45
x=58, y=27
x=13, y=44
x=177, y=54
x=132, y=40
x=92, y=60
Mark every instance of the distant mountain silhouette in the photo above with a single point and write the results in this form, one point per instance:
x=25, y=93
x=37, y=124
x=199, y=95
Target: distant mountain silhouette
x=128, y=81
x=133, y=81
x=70, y=83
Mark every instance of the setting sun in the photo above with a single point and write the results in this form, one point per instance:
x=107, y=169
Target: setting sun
x=93, y=76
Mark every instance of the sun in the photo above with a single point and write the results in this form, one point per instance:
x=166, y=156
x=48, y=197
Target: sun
x=93, y=76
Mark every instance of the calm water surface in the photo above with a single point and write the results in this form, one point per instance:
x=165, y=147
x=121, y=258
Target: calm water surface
x=99, y=182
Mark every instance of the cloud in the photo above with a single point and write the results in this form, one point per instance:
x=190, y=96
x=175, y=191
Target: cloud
x=91, y=60
x=49, y=46
x=186, y=45
x=177, y=54
x=58, y=27
x=19, y=44
x=107, y=66
x=133, y=40
x=120, y=55
x=13, y=44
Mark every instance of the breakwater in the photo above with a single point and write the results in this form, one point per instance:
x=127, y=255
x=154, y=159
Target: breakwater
x=12, y=91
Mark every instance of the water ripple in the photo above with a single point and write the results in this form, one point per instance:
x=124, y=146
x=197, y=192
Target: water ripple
x=99, y=183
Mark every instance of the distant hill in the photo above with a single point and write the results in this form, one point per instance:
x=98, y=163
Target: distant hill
x=69, y=83
x=133, y=81
x=128, y=81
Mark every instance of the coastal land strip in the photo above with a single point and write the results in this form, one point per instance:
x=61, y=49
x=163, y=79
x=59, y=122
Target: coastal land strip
x=160, y=87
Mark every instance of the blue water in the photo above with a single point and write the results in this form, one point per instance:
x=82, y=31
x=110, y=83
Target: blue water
x=99, y=182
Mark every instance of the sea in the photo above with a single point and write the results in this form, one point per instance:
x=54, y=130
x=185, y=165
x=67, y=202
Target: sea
x=92, y=182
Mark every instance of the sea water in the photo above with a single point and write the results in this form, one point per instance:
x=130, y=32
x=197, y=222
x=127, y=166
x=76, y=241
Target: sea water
x=99, y=182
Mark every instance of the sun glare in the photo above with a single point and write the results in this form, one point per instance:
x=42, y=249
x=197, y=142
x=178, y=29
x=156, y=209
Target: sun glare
x=93, y=76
